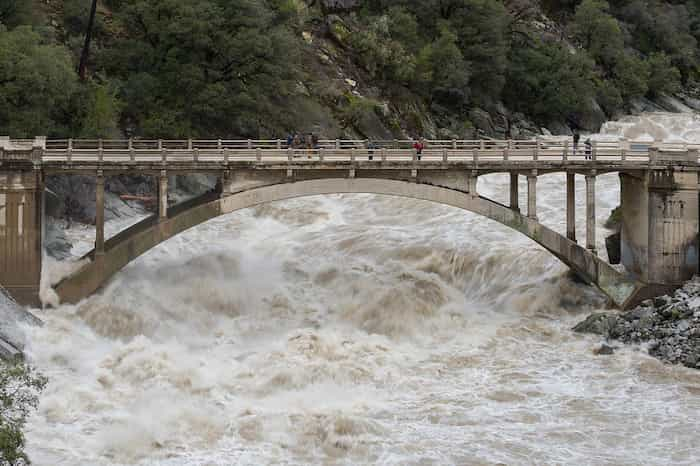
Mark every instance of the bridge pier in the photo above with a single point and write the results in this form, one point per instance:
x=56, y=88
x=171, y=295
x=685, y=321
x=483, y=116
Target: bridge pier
x=21, y=208
x=660, y=227
x=532, y=195
x=571, y=206
x=590, y=214
x=514, y=195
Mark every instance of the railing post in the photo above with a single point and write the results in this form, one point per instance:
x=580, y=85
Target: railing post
x=131, y=150
x=290, y=154
x=160, y=144
x=163, y=156
x=506, y=151
x=100, y=154
x=536, y=152
x=250, y=144
x=454, y=144
x=226, y=155
x=189, y=144
x=70, y=150
x=337, y=143
x=475, y=155
x=383, y=154
x=195, y=155
x=258, y=154
x=444, y=154
x=414, y=155
x=279, y=144
x=625, y=144
x=352, y=155
x=321, y=154
x=565, y=157
x=218, y=144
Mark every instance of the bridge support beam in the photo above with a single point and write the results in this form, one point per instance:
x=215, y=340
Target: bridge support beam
x=514, y=195
x=571, y=206
x=532, y=195
x=99, y=215
x=590, y=214
x=163, y=196
x=21, y=208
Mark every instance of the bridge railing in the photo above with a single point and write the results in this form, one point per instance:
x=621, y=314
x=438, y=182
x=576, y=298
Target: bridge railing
x=189, y=150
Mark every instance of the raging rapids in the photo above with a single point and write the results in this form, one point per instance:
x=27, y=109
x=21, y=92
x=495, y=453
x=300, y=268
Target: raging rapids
x=356, y=329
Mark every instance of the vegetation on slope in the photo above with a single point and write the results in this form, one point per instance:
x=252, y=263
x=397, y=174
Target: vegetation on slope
x=19, y=388
x=246, y=68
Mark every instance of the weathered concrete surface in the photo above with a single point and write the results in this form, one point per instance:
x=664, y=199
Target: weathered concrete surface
x=21, y=201
x=447, y=188
x=660, y=226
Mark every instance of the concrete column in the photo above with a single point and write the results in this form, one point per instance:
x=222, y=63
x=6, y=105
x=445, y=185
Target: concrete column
x=472, y=182
x=590, y=214
x=571, y=206
x=163, y=196
x=100, y=214
x=514, y=195
x=532, y=196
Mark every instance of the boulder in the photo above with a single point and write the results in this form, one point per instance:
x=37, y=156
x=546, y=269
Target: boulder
x=599, y=323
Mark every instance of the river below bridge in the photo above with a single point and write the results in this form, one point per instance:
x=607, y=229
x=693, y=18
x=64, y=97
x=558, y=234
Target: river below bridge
x=355, y=329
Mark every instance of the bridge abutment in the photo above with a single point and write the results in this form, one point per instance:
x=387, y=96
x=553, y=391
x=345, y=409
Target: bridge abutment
x=21, y=206
x=660, y=227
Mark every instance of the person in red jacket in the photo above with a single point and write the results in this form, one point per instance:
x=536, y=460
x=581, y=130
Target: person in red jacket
x=419, y=145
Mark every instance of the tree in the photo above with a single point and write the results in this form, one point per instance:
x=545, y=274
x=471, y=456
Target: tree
x=664, y=78
x=201, y=66
x=549, y=82
x=85, y=55
x=20, y=386
x=598, y=31
x=482, y=28
x=442, y=72
x=37, y=81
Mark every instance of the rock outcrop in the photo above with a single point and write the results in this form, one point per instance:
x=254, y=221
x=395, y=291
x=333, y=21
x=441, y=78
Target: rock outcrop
x=669, y=325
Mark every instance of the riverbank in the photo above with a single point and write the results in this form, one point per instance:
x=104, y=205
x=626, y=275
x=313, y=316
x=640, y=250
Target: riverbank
x=669, y=326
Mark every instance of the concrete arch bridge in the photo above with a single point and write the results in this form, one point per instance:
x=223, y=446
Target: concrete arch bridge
x=659, y=185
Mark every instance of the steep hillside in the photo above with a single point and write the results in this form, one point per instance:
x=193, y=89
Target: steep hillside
x=368, y=68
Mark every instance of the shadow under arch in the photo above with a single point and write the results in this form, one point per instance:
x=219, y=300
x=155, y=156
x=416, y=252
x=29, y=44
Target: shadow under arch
x=142, y=237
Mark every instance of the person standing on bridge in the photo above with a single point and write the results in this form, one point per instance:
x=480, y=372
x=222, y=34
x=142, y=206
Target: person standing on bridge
x=577, y=138
x=419, y=145
x=588, y=148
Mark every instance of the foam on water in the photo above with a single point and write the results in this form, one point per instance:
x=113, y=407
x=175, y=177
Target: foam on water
x=355, y=329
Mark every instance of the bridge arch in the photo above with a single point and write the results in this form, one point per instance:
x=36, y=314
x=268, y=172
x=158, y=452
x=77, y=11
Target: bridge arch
x=139, y=239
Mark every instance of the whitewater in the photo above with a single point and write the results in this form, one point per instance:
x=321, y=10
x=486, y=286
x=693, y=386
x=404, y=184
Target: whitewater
x=358, y=329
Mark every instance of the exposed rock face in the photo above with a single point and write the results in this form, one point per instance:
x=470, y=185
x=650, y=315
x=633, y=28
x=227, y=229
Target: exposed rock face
x=669, y=324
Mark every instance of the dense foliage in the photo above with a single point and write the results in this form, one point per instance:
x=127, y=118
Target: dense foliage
x=250, y=68
x=19, y=388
